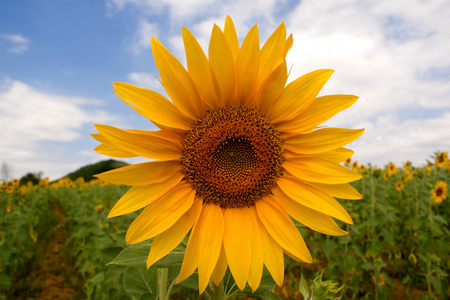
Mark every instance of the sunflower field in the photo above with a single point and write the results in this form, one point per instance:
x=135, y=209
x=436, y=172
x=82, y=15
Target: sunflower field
x=56, y=241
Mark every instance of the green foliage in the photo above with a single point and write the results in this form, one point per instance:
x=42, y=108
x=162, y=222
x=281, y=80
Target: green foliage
x=88, y=172
x=34, y=178
x=398, y=247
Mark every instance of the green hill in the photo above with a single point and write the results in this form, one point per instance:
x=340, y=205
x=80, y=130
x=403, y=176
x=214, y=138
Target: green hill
x=88, y=172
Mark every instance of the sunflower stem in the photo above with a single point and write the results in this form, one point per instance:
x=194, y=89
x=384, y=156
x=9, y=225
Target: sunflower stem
x=216, y=292
x=162, y=283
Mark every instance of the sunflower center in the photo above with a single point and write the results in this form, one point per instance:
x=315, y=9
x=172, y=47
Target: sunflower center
x=232, y=156
x=439, y=192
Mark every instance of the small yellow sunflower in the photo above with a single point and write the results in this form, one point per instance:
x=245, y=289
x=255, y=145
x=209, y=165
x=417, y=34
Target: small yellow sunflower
x=362, y=169
x=347, y=162
x=407, y=165
x=399, y=185
x=392, y=169
x=237, y=155
x=407, y=175
x=439, y=193
x=441, y=159
x=15, y=182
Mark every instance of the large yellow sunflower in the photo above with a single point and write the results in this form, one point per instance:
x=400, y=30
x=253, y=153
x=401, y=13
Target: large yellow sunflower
x=236, y=157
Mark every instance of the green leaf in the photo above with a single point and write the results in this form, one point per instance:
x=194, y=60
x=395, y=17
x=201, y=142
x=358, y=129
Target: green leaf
x=110, y=253
x=172, y=260
x=270, y=296
x=442, y=247
x=191, y=282
x=5, y=279
x=440, y=219
x=374, y=248
x=381, y=292
x=97, y=278
x=133, y=255
x=357, y=251
x=368, y=266
x=416, y=223
x=303, y=288
x=388, y=237
x=267, y=284
x=439, y=271
x=138, y=281
x=328, y=246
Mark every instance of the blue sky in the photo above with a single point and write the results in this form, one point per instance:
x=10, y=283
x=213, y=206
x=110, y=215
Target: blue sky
x=58, y=60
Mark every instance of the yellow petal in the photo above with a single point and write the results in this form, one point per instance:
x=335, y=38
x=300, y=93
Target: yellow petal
x=311, y=218
x=272, y=87
x=293, y=256
x=160, y=215
x=191, y=257
x=200, y=69
x=140, y=196
x=281, y=228
x=298, y=95
x=152, y=105
x=272, y=51
x=107, y=148
x=312, y=197
x=321, y=140
x=320, y=110
x=288, y=44
x=150, y=145
x=210, y=231
x=343, y=191
x=99, y=137
x=113, y=151
x=256, y=266
x=231, y=36
x=222, y=64
x=177, y=82
x=170, y=135
x=237, y=244
x=247, y=65
x=338, y=155
x=273, y=255
x=316, y=169
x=221, y=268
x=143, y=173
x=166, y=241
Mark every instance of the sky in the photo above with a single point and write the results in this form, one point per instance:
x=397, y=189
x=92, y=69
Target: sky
x=58, y=60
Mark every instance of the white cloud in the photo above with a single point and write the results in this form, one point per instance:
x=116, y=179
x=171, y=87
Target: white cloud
x=392, y=139
x=141, y=39
x=15, y=43
x=145, y=80
x=393, y=54
x=38, y=126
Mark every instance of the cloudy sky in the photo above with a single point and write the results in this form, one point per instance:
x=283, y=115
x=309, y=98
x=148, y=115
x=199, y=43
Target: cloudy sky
x=58, y=60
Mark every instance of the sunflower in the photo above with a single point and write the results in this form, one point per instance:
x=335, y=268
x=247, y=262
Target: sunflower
x=347, y=162
x=237, y=155
x=441, y=159
x=439, y=193
x=399, y=185
x=407, y=165
x=392, y=169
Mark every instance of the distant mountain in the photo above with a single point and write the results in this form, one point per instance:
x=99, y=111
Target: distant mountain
x=88, y=172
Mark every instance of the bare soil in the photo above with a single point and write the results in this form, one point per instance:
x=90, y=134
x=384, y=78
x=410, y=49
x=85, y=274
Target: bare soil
x=50, y=276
